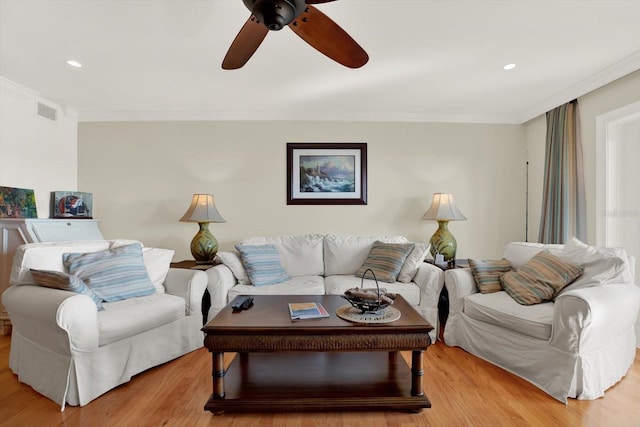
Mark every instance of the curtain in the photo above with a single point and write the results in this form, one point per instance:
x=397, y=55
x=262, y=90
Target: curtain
x=563, y=199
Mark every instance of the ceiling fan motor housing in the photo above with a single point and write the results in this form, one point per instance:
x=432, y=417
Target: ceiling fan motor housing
x=275, y=14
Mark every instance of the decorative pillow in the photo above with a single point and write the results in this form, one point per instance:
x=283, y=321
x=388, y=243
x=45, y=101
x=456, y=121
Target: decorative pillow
x=115, y=274
x=385, y=260
x=262, y=264
x=601, y=265
x=234, y=262
x=487, y=273
x=540, y=279
x=413, y=261
x=157, y=261
x=66, y=282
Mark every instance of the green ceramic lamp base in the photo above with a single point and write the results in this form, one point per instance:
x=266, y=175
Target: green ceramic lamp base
x=204, y=246
x=443, y=243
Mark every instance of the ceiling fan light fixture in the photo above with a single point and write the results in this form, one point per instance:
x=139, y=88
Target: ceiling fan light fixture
x=276, y=14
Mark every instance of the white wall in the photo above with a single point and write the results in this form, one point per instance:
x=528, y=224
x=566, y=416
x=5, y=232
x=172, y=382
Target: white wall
x=619, y=93
x=35, y=152
x=143, y=174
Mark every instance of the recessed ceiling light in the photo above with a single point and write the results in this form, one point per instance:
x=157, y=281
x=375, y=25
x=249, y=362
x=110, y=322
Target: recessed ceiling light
x=509, y=67
x=73, y=63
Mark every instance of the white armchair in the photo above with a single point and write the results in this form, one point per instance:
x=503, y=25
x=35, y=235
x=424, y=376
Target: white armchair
x=67, y=350
x=576, y=346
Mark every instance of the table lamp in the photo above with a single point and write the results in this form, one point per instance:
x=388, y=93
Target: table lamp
x=204, y=246
x=443, y=210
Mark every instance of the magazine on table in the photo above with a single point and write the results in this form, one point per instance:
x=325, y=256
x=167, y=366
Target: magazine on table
x=307, y=310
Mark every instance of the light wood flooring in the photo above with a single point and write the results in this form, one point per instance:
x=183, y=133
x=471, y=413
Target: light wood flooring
x=464, y=391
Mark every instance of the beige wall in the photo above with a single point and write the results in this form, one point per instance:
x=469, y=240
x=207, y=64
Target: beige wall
x=617, y=94
x=142, y=175
x=35, y=152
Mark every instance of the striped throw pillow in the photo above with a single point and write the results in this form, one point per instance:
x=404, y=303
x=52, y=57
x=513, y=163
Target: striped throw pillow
x=115, y=274
x=487, y=273
x=262, y=264
x=66, y=282
x=540, y=278
x=385, y=260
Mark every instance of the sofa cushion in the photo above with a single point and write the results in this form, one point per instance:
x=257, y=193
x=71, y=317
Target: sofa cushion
x=518, y=253
x=114, y=274
x=337, y=284
x=125, y=318
x=385, y=260
x=601, y=265
x=540, y=279
x=299, y=255
x=500, y=309
x=413, y=262
x=299, y=285
x=66, y=282
x=487, y=273
x=262, y=263
x=157, y=261
x=345, y=254
x=233, y=261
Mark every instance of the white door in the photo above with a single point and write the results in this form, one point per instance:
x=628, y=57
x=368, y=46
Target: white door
x=618, y=180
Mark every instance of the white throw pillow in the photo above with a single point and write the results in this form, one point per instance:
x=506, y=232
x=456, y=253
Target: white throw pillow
x=601, y=265
x=157, y=261
x=233, y=261
x=413, y=262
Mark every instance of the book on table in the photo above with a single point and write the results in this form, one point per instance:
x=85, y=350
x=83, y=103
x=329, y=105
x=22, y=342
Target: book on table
x=307, y=310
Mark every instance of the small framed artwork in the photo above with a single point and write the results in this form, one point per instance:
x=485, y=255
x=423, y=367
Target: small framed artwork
x=326, y=173
x=17, y=203
x=71, y=204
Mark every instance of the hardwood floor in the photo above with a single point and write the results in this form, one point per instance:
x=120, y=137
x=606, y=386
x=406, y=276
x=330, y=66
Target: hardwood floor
x=464, y=391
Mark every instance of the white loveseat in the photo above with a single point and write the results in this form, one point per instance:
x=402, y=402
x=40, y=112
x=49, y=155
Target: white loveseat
x=575, y=346
x=69, y=351
x=324, y=264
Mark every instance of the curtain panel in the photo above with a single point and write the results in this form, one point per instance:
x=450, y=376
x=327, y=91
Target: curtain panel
x=563, y=200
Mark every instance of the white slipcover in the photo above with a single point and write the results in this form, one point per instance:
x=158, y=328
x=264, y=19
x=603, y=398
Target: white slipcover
x=576, y=346
x=325, y=264
x=67, y=350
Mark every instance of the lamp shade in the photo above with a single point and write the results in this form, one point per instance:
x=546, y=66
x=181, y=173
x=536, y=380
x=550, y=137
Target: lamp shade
x=202, y=209
x=443, y=208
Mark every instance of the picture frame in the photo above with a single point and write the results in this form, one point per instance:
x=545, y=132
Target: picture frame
x=17, y=203
x=326, y=173
x=71, y=205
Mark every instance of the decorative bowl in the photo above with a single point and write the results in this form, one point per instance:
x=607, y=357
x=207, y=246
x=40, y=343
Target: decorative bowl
x=369, y=300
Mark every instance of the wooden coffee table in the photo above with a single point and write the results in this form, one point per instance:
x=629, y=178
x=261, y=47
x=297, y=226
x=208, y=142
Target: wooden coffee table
x=315, y=364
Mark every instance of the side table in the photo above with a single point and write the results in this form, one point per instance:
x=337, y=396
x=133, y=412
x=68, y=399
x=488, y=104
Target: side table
x=206, y=298
x=443, y=300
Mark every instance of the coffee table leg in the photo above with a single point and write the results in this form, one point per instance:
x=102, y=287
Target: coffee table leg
x=416, y=373
x=218, y=375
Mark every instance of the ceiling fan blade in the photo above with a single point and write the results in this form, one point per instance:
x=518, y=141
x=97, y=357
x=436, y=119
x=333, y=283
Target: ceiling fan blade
x=245, y=44
x=329, y=38
x=317, y=1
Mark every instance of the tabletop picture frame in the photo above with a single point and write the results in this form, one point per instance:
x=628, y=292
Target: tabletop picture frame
x=71, y=205
x=326, y=173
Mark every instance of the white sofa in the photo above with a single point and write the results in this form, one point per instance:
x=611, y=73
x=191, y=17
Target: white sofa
x=67, y=350
x=577, y=345
x=324, y=264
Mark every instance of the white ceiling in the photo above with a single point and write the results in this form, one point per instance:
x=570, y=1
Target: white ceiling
x=429, y=60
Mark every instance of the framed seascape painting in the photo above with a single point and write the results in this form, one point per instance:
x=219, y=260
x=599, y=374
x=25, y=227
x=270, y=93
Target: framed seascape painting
x=326, y=173
x=17, y=203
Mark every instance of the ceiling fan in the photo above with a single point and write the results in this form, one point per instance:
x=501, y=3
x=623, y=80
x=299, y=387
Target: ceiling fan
x=305, y=20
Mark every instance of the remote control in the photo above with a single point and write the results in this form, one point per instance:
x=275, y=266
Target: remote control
x=242, y=303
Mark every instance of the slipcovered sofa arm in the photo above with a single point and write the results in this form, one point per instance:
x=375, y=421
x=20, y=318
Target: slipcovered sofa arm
x=188, y=284
x=459, y=283
x=61, y=321
x=590, y=318
x=221, y=279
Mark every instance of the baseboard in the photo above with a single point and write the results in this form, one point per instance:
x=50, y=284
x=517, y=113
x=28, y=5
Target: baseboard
x=5, y=325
